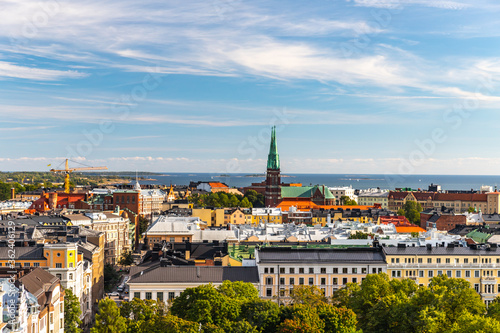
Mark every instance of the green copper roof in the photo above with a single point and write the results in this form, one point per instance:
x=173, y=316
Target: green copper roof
x=305, y=191
x=273, y=159
x=478, y=237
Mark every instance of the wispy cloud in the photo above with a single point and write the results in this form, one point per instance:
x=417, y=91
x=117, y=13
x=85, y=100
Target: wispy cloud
x=10, y=70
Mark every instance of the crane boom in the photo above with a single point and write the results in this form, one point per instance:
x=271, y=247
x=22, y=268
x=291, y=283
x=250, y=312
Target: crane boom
x=67, y=170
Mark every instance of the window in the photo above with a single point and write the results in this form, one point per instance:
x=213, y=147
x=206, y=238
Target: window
x=26, y=264
x=58, y=265
x=421, y=274
x=269, y=292
x=159, y=296
x=363, y=270
x=344, y=280
x=474, y=260
x=36, y=264
x=311, y=281
x=447, y=260
x=172, y=239
x=301, y=270
x=429, y=260
x=457, y=261
x=282, y=281
x=282, y=270
x=137, y=295
x=292, y=281
x=419, y=260
x=335, y=281
x=271, y=270
x=458, y=274
x=266, y=270
x=335, y=270
x=392, y=260
x=71, y=276
x=311, y=270
x=292, y=270
x=354, y=271
x=476, y=274
x=438, y=260
x=269, y=280
x=448, y=273
x=171, y=295
x=374, y=270
x=323, y=281
x=344, y=270
x=440, y=273
x=59, y=276
x=397, y=260
x=149, y=295
x=71, y=264
x=430, y=274
x=476, y=287
x=354, y=280
x=323, y=270
x=301, y=281
x=467, y=274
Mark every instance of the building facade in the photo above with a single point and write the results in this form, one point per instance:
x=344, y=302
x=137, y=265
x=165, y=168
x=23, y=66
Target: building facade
x=273, y=177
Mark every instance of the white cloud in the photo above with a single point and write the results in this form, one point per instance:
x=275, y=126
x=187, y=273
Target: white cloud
x=10, y=70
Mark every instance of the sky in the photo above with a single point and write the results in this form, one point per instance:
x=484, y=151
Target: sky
x=352, y=86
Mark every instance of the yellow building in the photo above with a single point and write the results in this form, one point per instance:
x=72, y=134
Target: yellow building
x=481, y=267
x=266, y=215
x=213, y=217
x=234, y=216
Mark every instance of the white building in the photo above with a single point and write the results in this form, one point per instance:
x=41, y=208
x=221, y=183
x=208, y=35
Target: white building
x=374, y=196
x=339, y=192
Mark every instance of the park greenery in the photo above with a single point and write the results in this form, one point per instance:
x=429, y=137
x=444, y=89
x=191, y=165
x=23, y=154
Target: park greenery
x=222, y=199
x=378, y=304
x=411, y=210
x=346, y=201
x=72, y=312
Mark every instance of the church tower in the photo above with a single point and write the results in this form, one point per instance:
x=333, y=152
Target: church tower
x=273, y=178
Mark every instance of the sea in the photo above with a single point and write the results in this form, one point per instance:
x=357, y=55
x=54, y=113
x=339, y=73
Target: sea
x=356, y=181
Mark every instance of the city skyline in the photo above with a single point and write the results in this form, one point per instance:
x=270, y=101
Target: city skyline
x=362, y=86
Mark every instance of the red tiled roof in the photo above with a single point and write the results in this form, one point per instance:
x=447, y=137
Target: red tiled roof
x=407, y=230
x=217, y=184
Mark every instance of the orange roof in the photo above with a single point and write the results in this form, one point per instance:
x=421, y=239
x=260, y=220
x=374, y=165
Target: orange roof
x=407, y=230
x=217, y=184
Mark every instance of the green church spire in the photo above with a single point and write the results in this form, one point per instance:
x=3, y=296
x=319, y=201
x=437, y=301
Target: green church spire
x=273, y=159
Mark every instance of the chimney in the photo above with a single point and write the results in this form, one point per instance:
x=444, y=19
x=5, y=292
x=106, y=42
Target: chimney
x=187, y=254
x=198, y=271
x=12, y=193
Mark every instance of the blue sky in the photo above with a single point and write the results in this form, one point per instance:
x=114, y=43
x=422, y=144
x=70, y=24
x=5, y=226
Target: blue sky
x=355, y=86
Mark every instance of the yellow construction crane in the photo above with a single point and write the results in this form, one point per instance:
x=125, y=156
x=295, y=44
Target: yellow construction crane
x=67, y=170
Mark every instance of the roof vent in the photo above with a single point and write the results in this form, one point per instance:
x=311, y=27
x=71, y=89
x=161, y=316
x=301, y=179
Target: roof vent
x=198, y=272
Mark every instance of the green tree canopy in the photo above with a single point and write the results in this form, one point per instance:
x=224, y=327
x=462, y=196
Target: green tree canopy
x=109, y=320
x=72, y=312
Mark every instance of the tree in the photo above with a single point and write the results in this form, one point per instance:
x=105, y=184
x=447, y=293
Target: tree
x=339, y=320
x=111, y=277
x=245, y=203
x=126, y=258
x=412, y=211
x=471, y=210
x=72, y=312
x=238, y=290
x=474, y=323
x=263, y=315
x=401, y=212
x=143, y=224
x=309, y=295
x=359, y=235
x=109, y=320
x=256, y=199
x=345, y=200
x=205, y=305
x=300, y=318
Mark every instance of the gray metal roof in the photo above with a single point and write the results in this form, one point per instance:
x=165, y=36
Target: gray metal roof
x=320, y=255
x=196, y=274
x=23, y=253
